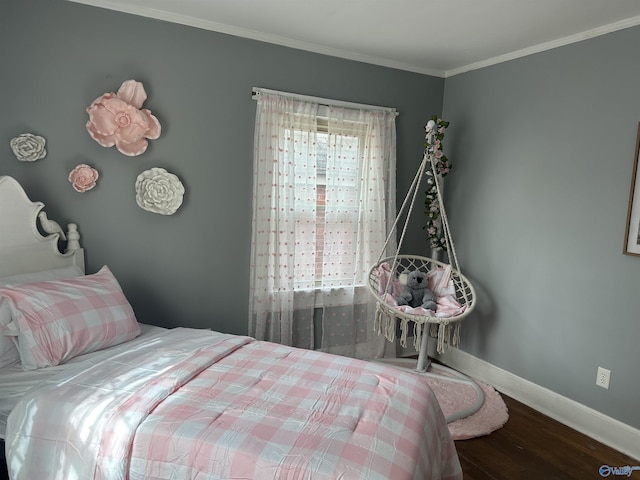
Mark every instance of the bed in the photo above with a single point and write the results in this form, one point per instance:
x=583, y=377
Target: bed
x=86, y=392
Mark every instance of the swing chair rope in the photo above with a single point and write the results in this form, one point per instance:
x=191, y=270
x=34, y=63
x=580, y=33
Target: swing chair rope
x=411, y=193
x=445, y=224
x=412, y=188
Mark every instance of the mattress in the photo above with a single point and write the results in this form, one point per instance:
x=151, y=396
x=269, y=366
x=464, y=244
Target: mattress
x=14, y=381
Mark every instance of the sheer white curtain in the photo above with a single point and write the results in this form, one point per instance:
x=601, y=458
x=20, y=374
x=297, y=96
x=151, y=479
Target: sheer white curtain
x=323, y=201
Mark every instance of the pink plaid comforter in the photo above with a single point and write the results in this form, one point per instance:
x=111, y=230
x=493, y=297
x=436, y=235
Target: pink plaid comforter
x=194, y=404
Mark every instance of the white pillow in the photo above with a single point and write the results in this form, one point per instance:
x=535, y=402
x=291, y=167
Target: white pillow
x=8, y=352
x=61, y=319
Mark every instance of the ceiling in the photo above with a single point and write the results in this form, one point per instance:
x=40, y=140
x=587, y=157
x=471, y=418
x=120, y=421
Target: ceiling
x=435, y=37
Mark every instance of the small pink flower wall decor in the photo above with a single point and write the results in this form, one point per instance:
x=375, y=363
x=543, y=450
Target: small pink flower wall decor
x=83, y=178
x=119, y=119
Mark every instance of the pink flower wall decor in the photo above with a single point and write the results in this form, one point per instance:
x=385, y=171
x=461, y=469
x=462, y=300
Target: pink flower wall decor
x=83, y=178
x=119, y=119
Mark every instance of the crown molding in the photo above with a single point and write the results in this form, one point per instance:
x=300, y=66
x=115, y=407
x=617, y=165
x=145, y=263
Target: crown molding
x=579, y=37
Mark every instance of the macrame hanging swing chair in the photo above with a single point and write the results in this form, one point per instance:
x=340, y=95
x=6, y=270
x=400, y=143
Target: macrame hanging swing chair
x=455, y=295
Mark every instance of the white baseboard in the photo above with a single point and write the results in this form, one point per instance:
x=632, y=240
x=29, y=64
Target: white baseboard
x=588, y=421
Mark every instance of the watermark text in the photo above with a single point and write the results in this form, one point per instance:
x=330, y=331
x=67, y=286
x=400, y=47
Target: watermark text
x=625, y=471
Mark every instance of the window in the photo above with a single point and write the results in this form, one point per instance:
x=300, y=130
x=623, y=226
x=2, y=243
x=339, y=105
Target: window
x=326, y=172
x=324, y=199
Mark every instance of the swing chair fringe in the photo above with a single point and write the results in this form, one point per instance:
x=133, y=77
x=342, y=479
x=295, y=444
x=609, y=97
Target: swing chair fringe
x=446, y=332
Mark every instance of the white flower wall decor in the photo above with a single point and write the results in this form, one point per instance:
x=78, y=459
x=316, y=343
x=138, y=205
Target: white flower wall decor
x=159, y=191
x=28, y=147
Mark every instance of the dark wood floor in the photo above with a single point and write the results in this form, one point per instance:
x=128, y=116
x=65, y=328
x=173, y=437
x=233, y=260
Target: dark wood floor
x=534, y=446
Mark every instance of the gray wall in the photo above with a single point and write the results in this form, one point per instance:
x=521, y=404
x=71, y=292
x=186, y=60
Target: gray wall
x=192, y=268
x=543, y=150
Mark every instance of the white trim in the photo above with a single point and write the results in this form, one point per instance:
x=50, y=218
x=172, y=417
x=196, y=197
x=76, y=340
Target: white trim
x=259, y=36
x=578, y=37
x=323, y=101
x=586, y=420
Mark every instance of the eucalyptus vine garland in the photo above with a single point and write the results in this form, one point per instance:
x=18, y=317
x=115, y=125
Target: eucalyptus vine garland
x=434, y=135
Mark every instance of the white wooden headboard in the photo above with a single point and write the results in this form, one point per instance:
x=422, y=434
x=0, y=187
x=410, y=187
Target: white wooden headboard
x=23, y=249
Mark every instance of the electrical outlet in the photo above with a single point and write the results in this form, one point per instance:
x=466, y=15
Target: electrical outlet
x=602, y=379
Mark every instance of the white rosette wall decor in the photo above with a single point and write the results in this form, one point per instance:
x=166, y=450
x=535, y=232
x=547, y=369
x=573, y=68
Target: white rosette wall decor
x=159, y=191
x=28, y=147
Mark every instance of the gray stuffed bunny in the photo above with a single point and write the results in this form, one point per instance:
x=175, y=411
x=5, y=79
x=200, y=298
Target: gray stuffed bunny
x=415, y=293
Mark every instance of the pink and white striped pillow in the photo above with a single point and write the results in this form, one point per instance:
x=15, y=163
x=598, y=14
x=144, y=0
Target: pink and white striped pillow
x=58, y=320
